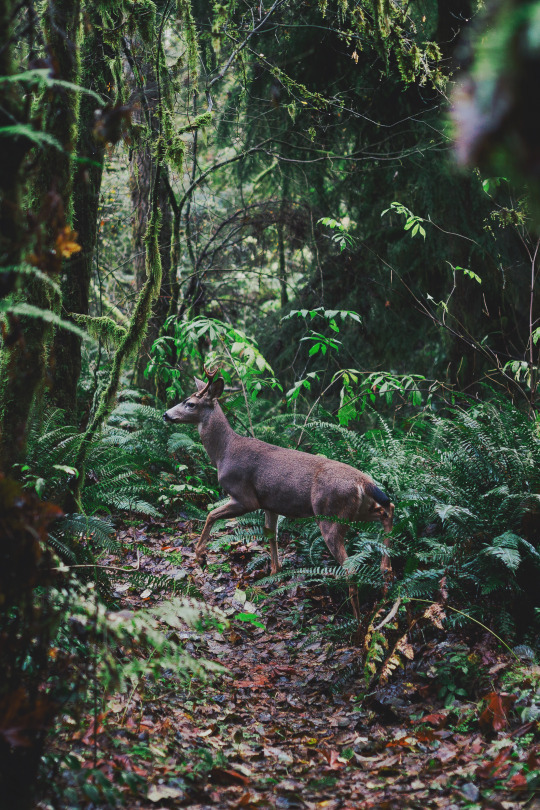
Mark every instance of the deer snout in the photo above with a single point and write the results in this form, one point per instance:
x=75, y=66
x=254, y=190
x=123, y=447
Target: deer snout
x=166, y=417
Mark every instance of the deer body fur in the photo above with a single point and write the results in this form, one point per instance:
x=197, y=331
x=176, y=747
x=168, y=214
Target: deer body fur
x=281, y=481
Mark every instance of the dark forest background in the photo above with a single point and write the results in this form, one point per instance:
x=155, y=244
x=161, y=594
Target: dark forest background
x=335, y=202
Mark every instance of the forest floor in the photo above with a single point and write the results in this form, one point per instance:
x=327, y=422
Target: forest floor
x=289, y=724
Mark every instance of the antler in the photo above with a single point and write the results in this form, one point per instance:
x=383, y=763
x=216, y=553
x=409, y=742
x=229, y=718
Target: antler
x=210, y=375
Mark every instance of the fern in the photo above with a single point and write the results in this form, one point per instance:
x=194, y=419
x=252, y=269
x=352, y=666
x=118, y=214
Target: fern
x=99, y=531
x=462, y=484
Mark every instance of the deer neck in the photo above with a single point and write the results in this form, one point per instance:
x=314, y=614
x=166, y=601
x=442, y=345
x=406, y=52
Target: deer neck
x=215, y=433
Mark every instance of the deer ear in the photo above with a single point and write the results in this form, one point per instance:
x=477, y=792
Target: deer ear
x=200, y=384
x=216, y=389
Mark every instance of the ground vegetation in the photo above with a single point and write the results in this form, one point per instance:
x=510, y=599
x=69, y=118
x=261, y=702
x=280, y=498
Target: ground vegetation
x=336, y=205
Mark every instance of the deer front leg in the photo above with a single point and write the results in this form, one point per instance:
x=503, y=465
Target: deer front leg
x=270, y=531
x=334, y=537
x=231, y=509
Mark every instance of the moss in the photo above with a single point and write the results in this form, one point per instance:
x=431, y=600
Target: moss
x=61, y=27
x=202, y=120
x=185, y=15
x=23, y=361
x=142, y=16
x=97, y=76
x=102, y=328
x=221, y=16
x=128, y=344
x=176, y=150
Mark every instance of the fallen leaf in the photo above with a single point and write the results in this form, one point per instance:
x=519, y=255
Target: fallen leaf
x=159, y=792
x=517, y=782
x=437, y=719
x=283, y=756
x=495, y=715
x=497, y=767
x=387, y=762
x=445, y=753
x=227, y=776
x=332, y=757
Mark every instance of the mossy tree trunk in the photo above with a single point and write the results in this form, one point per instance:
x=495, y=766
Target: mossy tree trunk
x=88, y=174
x=13, y=239
x=143, y=168
x=160, y=308
x=127, y=346
x=24, y=360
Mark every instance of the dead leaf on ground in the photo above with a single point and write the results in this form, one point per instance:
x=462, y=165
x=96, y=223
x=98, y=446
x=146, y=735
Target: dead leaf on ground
x=495, y=715
x=227, y=776
x=158, y=793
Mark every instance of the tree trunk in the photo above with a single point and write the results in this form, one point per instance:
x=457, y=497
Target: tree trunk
x=127, y=347
x=161, y=306
x=23, y=360
x=142, y=178
x=88, y=176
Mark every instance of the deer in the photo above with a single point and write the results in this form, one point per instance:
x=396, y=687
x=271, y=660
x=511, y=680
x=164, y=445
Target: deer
x=281, y=481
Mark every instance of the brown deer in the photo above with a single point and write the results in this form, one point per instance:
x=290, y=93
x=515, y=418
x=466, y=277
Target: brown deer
x=281, y=481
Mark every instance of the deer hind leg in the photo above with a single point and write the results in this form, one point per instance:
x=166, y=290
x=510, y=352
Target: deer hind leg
x=334, y=537
x=230, y=509
x=270, y=531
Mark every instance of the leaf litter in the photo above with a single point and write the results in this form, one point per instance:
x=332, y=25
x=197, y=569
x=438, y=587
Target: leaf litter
x=289, y=725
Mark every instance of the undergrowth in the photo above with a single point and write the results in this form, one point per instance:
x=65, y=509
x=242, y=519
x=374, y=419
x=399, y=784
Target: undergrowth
x=467, y=527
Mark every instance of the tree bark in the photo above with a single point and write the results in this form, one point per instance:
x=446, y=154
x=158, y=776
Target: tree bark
x=88, y=176
x=23, y=361
x=143, y=167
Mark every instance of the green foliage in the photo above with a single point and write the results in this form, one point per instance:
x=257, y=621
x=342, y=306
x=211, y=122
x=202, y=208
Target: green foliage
x=41, y=78
x=30, y=270
x=465, y=488
x=137, y=465
x=456, y=673
x=413, y=223
x=341, y=237
x=228, y=347
x=35, y=136
x=47, y=315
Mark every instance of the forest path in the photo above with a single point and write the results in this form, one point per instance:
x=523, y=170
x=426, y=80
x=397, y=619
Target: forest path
x=273, y=733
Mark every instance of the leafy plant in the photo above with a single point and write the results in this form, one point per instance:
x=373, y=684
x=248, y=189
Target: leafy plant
x=231, y=349
x=413, y=223
x=456, y=673
x=341, y=236
x=465, y=487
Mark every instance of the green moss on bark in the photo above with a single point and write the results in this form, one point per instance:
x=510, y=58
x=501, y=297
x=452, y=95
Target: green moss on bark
x=127, y=346
x=95, y=75
x=23, y=360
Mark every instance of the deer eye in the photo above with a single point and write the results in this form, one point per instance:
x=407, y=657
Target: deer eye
x=190, y=404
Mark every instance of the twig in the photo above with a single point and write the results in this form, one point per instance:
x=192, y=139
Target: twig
x=231, y=358
x=391, y=614
x=136, y=684
x=108, y=567
x=242, y=45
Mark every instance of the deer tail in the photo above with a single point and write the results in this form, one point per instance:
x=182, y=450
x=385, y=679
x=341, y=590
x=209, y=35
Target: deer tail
x=377, y=494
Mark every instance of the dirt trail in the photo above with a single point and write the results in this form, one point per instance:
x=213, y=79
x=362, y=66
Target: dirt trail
x=274, y=732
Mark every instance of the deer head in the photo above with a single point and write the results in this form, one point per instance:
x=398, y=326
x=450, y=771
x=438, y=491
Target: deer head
x=198, y=407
